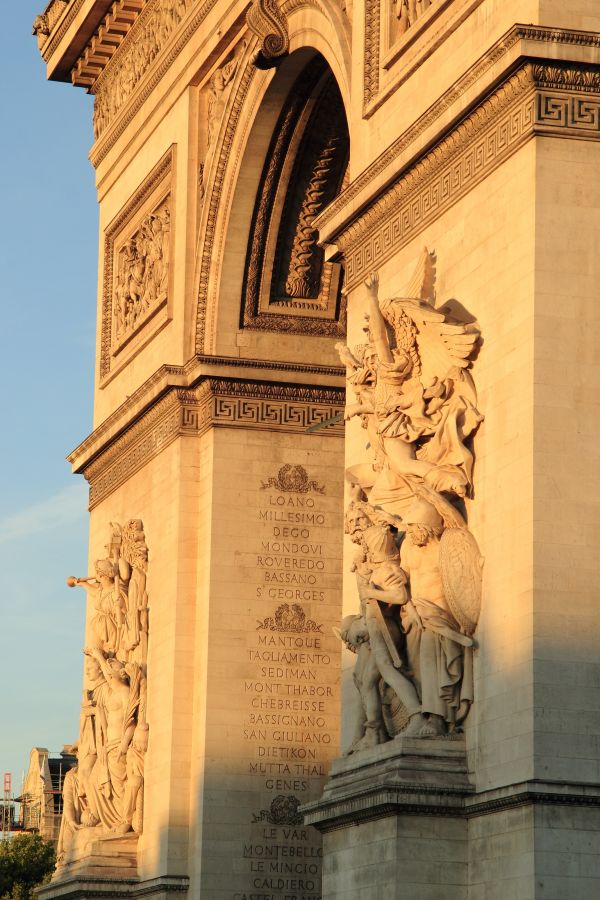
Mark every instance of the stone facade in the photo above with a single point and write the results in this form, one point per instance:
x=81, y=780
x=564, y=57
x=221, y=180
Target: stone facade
x=255, y=165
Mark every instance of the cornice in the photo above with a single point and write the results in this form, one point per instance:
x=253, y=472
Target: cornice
x=167, y=378
x=382, y=171
x=64, y=22
x=95, y=887
x=215, y=402
x=332, y=813
x=540, y=98
x=147, y=80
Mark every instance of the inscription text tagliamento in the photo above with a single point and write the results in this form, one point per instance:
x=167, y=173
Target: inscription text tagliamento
x=290, y=697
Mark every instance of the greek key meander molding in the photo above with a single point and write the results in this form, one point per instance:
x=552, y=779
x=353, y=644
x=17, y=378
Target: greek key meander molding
x=520, y=108
x=215, y=402
x=168, y=377
x=490, y=58
x=161, y=172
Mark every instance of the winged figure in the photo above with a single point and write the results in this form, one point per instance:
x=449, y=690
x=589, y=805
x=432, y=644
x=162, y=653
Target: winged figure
x=420, y=601
x=423, y=399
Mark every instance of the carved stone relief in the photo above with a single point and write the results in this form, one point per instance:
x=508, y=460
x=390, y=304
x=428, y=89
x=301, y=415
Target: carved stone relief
x=269, y=24
x=217, y=93
x=103, y=795
x=137, y=266
x=142, y=272
x=418, y=568
x=407, y=12
x=150, y=33
x=288, y=285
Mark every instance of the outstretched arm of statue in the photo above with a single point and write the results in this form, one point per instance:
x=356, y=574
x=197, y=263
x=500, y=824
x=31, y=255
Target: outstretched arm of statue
x=377, y=325
x=357, y=409
x=89, y=583
x=99, y=656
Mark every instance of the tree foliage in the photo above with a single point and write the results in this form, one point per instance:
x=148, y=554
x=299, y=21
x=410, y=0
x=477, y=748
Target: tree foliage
x=26, y=861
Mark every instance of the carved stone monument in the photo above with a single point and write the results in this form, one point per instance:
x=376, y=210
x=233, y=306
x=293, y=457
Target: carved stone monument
x=409, y=187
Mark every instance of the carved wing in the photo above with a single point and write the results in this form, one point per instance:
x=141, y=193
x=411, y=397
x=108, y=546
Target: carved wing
x=421, y=285
x=461, y=564
x=347, y=358
x=442, y=345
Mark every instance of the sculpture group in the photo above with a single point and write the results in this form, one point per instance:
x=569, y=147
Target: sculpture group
x=418, y=568
x=142, y=272
x=103, y=794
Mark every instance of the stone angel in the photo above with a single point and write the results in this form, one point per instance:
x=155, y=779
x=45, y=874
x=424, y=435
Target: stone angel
x=423, y=401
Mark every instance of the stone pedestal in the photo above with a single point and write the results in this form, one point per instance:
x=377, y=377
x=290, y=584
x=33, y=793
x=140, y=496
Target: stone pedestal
x=393, y=822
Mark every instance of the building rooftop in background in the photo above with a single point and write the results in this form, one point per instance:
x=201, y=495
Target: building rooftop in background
x=41, y=799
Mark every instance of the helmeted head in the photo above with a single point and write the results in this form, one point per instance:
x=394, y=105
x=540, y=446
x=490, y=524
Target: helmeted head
x=423, y=522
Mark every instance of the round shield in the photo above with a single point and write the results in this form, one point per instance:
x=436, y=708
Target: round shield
x=460, y=565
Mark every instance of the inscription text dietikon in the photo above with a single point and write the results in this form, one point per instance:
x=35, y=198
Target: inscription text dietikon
x=289, y=687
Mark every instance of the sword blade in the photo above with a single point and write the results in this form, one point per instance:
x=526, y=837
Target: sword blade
x=333, y=420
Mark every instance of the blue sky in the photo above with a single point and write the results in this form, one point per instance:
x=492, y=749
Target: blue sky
x=48, y=260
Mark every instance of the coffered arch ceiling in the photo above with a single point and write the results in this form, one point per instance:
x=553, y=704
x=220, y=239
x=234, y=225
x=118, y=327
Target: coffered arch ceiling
x=285, y=162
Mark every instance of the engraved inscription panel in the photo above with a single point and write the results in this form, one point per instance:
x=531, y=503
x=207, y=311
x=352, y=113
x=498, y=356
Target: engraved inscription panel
x=282, y=674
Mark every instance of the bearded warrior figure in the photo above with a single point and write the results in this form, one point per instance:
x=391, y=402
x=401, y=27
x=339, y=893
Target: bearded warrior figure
x=419, y=569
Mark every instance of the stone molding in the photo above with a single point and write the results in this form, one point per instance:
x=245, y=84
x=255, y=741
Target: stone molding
x=557, y=99
x=215, y=402
x=266, y=20
x=435, y=25
x=55, y=37
x=120, y=118
x=419, y=800
x=263, y=308
x=109, y=36
x=213, y=203
x=489, y=59
x=94, y=888
x=161, y=175
x=168, y=377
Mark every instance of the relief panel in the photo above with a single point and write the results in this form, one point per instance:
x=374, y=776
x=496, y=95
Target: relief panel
x=137, y=270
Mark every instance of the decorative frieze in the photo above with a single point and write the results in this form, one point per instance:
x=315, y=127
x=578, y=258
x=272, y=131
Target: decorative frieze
x=537, y=99
x=137, y=250
x=144, y=41
x=459, y=89
x=216, y=402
